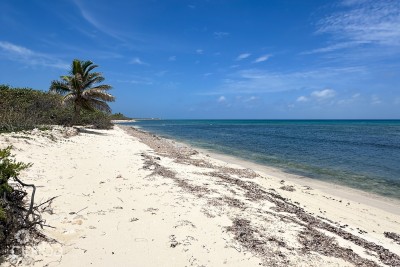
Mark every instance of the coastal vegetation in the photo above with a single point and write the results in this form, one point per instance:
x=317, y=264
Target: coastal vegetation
x=119, y=116
x=16, y=219
x=82, y=89
x=26, y=109
x=77, y=99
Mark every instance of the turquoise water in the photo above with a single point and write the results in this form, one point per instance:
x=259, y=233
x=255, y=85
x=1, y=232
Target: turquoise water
x=363, y=154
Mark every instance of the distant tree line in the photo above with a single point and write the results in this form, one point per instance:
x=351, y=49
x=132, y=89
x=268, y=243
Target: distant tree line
x=76, y=99
x=25, y=109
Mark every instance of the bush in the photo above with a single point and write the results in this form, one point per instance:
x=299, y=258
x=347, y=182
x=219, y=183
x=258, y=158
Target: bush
x=97, y=119
x=25, y=109
x=13, y=215
x=119, y=116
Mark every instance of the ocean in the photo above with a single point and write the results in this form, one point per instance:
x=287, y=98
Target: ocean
x=362, y=154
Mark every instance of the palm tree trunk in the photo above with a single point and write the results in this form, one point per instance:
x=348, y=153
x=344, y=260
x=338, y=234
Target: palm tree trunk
x=77, y=114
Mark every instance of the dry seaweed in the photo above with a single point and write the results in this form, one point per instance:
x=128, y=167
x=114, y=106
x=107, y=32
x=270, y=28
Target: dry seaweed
x=250, y=237
x=395, y=237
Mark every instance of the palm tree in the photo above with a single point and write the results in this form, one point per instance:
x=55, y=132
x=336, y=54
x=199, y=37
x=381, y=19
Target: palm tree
x=82, y=89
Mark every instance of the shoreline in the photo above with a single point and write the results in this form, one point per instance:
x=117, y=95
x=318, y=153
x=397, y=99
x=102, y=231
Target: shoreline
x=365, y=197
x=128, y=197
x=385, y=203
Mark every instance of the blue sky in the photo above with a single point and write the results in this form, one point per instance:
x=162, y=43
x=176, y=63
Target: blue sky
x=261, y=59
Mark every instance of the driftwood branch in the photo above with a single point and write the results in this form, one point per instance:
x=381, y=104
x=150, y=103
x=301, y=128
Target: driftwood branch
x=51, y=199
x=30, y=210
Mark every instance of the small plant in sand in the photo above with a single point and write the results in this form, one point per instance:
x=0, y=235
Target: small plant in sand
x=81, y=88
x=15, y=216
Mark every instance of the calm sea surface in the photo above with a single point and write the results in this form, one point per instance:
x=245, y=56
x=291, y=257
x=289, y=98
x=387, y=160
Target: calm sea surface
x=362, y=154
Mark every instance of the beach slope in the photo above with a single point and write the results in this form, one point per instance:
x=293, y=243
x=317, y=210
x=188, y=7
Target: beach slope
x=130, y=198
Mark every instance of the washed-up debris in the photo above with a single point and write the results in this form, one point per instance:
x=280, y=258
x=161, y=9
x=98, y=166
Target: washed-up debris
x=395, y=237
x=250, y=237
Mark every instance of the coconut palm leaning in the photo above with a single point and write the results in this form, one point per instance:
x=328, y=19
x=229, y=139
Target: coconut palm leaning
x=82, y=89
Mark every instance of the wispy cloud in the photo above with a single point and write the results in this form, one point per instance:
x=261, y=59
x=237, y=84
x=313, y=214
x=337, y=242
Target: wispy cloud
x=262, y=59
x=251, y=99
x=251, y=81
x=199, y=51
x=221, y=99
x=323, y=94
x=27, y=56
x=243, y=56
x=137, y=80
x=302, y=99
x=137, y=61
x=92, y=20
x=317, y=95
x=220, y=35
x=172, y=58
x=362, y=22
x=375, y=100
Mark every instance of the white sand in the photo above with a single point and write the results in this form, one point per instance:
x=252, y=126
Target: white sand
x=113, y=212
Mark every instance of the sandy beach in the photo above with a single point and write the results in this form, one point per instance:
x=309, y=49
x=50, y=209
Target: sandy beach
x=130, y=198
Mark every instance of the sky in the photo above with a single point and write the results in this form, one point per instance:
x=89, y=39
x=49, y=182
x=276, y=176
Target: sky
x=215, y=59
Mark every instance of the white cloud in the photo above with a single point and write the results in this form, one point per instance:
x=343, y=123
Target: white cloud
x=199, y=51
x=257, y=80
x=349, y=100
x=243, y=56
x=221, y=99
x=251, y=99
x=220, y=35
x=208, y=74
x=302, y=99
x=19, y=50
x=333, y=47
x=137, y=61
x=363, y=22
x=172, y=58
x=138, y=80
x=262, y=59
x=92, y=20
x=375, y=100
x=22, y=54
x=323, y=94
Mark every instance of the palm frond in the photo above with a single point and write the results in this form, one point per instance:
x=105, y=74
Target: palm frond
x=85, y=64
x=98, y=94
x=104, y=87
x=69, y=98
x=60, y=87
x=89, y=69
x=92, y=80
x=99, y=105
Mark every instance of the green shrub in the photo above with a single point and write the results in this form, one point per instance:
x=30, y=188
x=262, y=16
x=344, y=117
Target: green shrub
x=97, y=119
x=11, y=200
x=119, y=116
x=25, y=109
x=9, y=168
